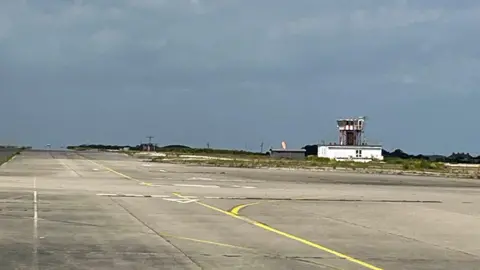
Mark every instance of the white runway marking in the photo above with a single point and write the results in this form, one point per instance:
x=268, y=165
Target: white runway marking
x=132, y=195
x=180, y=200
x=222, y=180
x=202, y=186
x=243, y=186
x=35, y=224
x=150, y=165
x=160, y=196
x=151, y=185
x=248, y=187
x=200, y=178
x=106, y=194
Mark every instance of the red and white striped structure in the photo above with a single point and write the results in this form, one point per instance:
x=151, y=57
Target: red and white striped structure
x=350, y=131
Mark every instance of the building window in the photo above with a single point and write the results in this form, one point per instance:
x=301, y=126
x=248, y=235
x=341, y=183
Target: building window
x=358, y=153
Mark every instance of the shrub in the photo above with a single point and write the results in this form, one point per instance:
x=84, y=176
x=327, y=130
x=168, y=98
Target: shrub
x=318, y=159
x=421, y=164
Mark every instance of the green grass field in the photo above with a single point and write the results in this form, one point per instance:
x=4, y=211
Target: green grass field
x=389, y=165
x=246, y=159
x=7, y=155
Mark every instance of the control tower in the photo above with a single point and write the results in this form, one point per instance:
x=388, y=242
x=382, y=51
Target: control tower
x=351, y=131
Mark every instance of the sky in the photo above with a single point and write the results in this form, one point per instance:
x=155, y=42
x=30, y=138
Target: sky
x=235, y=73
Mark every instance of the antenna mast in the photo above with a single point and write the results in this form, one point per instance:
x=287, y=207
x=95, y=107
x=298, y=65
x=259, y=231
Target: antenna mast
x=364, y=138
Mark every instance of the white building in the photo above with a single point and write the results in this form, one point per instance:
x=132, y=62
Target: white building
x=351, y=144
x=359, y=153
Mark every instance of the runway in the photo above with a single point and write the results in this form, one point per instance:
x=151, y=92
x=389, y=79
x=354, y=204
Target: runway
x=97, y=210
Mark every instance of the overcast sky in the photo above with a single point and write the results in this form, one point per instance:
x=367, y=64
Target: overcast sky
x=235, y=73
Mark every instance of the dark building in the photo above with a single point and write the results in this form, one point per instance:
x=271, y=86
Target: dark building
x=288, y=153
x=147, y=147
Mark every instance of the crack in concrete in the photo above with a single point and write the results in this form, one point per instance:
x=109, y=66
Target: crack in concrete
x=326, y=200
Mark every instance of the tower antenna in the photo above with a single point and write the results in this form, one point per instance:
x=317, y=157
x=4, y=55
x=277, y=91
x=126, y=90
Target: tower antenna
x=364, y=138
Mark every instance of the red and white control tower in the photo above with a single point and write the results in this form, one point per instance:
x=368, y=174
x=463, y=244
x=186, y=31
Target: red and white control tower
x=351, y=131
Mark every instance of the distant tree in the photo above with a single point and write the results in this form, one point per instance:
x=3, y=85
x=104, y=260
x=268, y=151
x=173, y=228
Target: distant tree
x=311, y=150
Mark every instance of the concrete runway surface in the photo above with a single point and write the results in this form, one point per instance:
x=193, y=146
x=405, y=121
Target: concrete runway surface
x=95, y=210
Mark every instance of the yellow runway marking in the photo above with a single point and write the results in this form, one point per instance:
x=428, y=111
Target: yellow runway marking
x=168, y=235
x=237, y=208
x=258, y=224
x=115, y=172
x=293, y=237
x=146, y=184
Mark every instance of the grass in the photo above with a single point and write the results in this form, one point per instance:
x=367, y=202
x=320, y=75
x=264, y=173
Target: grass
x=7, y=158
x=391, y=166
x=246, y=159
x=211, y=151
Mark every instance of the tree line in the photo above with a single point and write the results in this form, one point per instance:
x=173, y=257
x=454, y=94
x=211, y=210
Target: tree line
x=168, y=148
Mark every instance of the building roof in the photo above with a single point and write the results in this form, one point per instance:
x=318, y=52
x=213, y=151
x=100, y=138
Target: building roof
x=352, y=146
x=288, y=150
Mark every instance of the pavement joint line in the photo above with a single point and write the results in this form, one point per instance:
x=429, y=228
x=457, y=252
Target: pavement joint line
x=253, y=198
x=67, y=166
x=156, y=232
x=206, y=242
x=287, y=235
x=323, y=200
x=193, y=239
x=133, y=195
